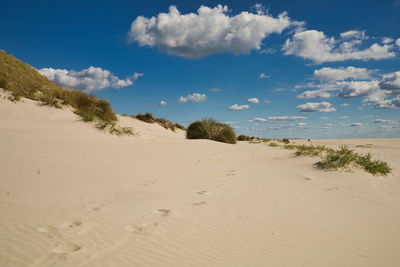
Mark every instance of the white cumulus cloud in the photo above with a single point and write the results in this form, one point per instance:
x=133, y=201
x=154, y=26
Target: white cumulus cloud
x=398, y=42
x=263, y=76
x=238, y=107
x=358, y=88
x=316, y=107
x=328, y=74
x=314, y=93
x=195, y=97
x=391, y=83
x=388, y=103
x=163, y=103
x=315, y=46
x=209, y=31
x=89, y=79
x=253, y=100
x=387, y=40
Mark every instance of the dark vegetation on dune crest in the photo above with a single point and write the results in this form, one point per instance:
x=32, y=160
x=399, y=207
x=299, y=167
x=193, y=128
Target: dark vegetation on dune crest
x=211, y=129
x=148, y=117
x=23, y=80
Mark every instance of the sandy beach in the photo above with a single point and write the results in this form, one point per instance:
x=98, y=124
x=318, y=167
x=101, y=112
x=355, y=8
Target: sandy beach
x=71, y=195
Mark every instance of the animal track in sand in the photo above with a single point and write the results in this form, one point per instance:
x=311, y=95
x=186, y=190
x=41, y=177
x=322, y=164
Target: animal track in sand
x=65, y=248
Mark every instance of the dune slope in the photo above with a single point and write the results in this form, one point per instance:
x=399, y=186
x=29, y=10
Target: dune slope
x=71, y=195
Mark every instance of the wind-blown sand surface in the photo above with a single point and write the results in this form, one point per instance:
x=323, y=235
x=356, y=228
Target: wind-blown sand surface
x=71, y=195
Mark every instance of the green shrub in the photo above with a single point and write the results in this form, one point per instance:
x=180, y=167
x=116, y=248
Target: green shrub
x=211, y=129
x=285, y=140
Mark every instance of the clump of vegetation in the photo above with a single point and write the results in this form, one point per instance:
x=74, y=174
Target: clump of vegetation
x=373, y=166
x=181, y=127
x=272, y=144
x=252, y=139
x=211, y=129
x=148, y=117
x=113, y=128
x=290, y=146
x=336, y=159
x=339, y=159
x=285, y=140
x=22, y=80
x=243, y=137
x=310, y=150
x=344, y=157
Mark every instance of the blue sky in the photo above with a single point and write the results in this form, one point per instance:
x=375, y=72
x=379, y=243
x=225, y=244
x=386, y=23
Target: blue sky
x=327, y=69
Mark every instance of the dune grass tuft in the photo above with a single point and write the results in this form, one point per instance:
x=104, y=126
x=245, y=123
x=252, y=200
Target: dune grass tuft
x=148, y=117
x=211, y=129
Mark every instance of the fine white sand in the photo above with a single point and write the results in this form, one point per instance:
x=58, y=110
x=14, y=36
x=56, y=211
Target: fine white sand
x=71, y=195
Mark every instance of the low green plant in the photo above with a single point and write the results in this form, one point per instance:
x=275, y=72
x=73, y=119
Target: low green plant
x=335, y=159
x=304, y=150
x=344, y=157
x=113, y=128
x=373, y=166
x=272, y=144
x=211, y=129
x=290, y=146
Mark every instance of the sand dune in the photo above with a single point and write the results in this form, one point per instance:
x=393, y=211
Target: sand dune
x=71, y=195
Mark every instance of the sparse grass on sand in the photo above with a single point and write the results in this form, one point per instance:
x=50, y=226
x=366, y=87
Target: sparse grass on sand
x=342, y=158
x=149, y=118
x=211, y=129
x=23, y=80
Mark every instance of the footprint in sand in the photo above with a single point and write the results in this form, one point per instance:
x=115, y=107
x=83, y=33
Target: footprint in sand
x=141, y=229
x=60, y=230
x=200, y=203
x=65, y=248
x=93, y=207
x=163, y=212
x=231, y=173
x=331, y=188
x=202, y=192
